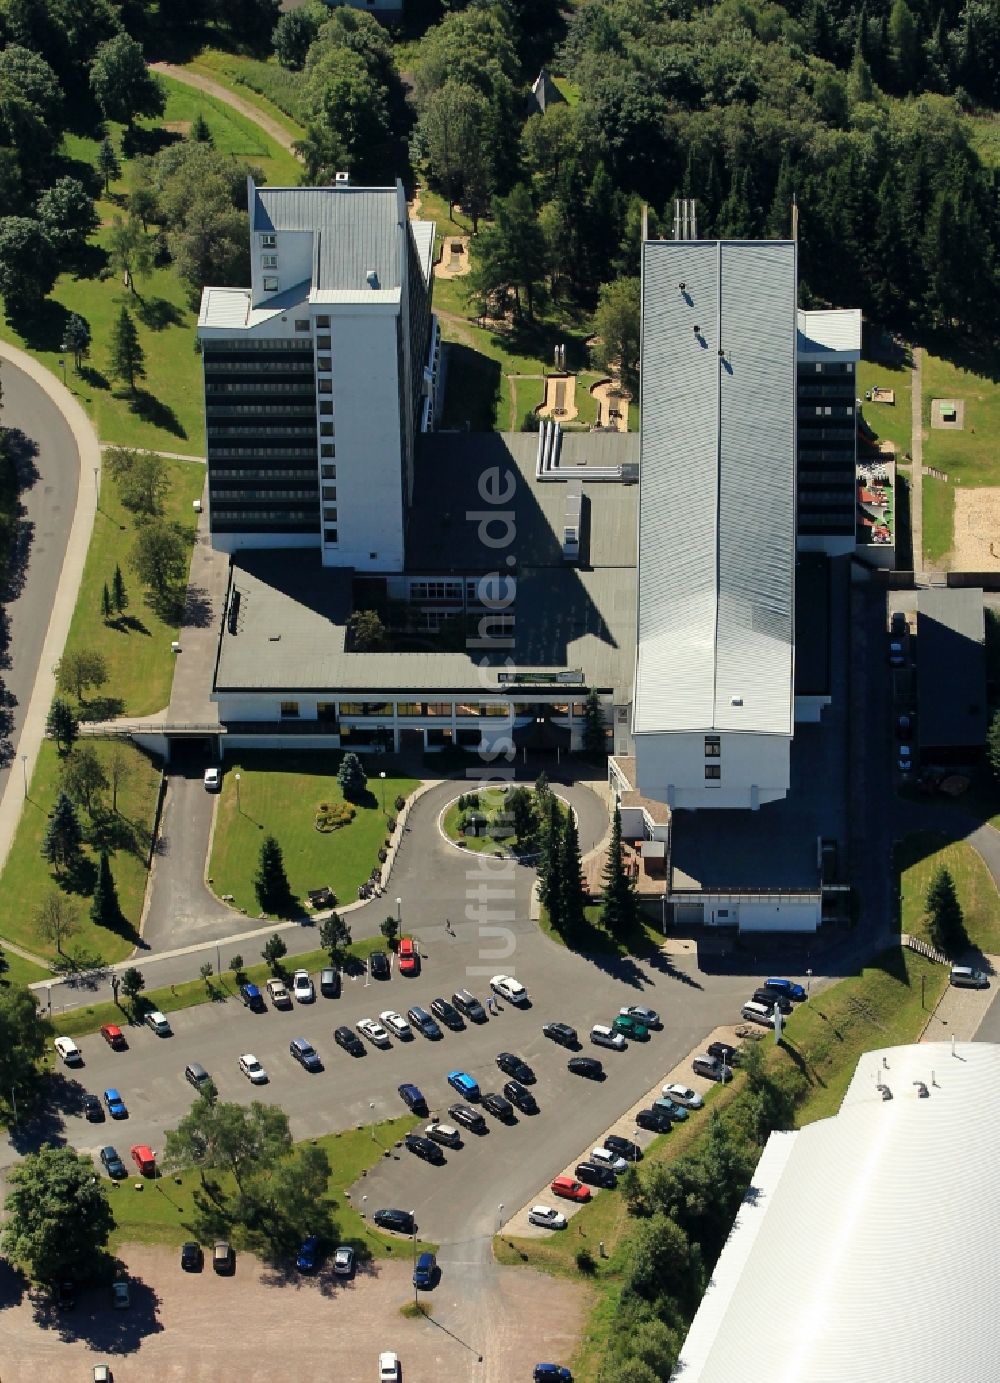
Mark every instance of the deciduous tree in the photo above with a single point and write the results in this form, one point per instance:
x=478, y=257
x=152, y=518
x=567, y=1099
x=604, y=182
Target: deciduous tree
x=130, y=251
x=23, y=1039
x=133, y=983
x=159, y=557
x=366, y=632
x=119, y=767
x=67, y=215
x=58, y=1216
x=295, y=33
x=56, y=920
x=141, y=479
x=62, y=725
x=27, y=264
x=122, y=84
x=79, y=670
x=616, y=322
x=83, y=776
x=76, y=340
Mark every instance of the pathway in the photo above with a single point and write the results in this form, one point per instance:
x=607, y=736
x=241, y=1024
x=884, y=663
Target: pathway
x=170, y=455
x=220, y=93
x=917, y=469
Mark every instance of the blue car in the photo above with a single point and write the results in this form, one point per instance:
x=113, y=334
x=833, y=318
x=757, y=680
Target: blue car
x=789, y=988
x=425, y=1271
x=308, y=1255
x=252, y=998
x=115, y=1104
x=412, y=1098
x=464, y=1084
x=551, y=1373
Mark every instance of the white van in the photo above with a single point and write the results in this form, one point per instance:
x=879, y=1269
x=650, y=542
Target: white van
x=602, y=1036
x=758, y=1013
x=964, y=977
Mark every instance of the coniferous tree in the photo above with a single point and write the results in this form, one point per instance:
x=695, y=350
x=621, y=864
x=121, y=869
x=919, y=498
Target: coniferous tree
x=105, y=910
x=127, y=355
x=571, y=879
x=119, y=594
x=548, y=864
x=271, y=881
x=62, y=725
x=107, y=162
x=618, y=905
x=106, y=606
x=63, y=838
x=945, y=922
x=595, y=739
x=352, y=778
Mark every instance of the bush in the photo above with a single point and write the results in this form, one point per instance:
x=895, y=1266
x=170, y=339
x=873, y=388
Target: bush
x=461, y=801
x=391, y=824
x=383, y=855
x=332, y=815
x=400, y=802
x=586, y=1262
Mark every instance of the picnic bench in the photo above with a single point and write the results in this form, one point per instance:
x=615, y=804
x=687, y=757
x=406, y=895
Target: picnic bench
x=321, y=898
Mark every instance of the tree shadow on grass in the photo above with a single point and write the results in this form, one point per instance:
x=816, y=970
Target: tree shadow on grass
x=128, y=624
x=102, y=708
x=89, y=262
x=93, y=377
x=45, y=328
x=157, y=313
x=153, y=411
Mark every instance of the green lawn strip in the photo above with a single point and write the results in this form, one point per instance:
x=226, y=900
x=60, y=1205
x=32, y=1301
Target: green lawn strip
x=530, y=397
x=451, y=295
x=491, y=801
x=939, y=518
x=280, y=796
x=27, y=878
x=190, y=993
x=137, y=647
x=644, y=939
x=267, y=85
x=967, y=455
x=449, y=220
x=918, y=857
x=162, y=1212
x=891, y=422
x=232, y=133
x=19, y=970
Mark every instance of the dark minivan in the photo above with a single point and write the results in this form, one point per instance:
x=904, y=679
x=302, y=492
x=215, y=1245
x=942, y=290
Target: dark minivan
x=469, y=1005
x=592, y=1175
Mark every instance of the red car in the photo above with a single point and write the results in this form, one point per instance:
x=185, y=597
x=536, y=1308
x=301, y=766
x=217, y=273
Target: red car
x=408, y=958
x=569, y=1189
x=114, y=1036
x=144, y=1158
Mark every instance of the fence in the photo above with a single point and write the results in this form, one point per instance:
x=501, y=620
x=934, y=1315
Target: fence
x=924, y=949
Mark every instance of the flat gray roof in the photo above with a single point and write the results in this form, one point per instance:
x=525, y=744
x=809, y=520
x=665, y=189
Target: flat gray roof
x=830, y=331
x=951, y=668
x=290, y=631
x=717, y=482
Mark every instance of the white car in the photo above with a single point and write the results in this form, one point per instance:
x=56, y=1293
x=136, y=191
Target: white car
x=447, y=1134
x=279, y=995
x=213, y=779
x=302, y=987
x=343, y=1261
x=602, y=1157
x=603, y=1036
x=102, y=1373
x=69, y=1051
x=510, y=989
x=374, y=1032
x=546, y=1218
x=158, y=1022
x=683, y=1094
x=388, y=1367
x=396, y=1022
x=252, y=1069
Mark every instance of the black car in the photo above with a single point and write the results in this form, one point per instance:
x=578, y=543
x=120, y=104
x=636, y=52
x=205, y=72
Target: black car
x=305, y=1054
x=657, y=1120
x=413, y=1098
x=623, y=1147
x=512, y=1065
x=399, y=1220
x=773, y=998
x=423, y=1022
x=192, y=1257
x=329, y=982
x=586, y=1066
x=378, y=965
x=349, y=1040
x=469, y=1005
x=66, y=1295
x=113, y=1164
x=448, y=1014
x=423, y=1147
x=468, y=1118
x=723, y=1052
x=593, y=1175
x=561, y=1033
x=499, y=1107
x=92, y=1109
x=524, y=1099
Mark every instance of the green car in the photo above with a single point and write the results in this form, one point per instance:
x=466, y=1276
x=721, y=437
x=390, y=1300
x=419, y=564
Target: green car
x=630, y=1027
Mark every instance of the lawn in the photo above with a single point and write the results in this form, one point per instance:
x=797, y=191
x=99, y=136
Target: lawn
x=917, y=859
x=267, y=85
x=27, y=878
x=279, y=795
x=939, y=518
x=889, y=422
x=20, y=971
x=644, y=939
x=137, y=647
x=232, y=133
x=967, y=455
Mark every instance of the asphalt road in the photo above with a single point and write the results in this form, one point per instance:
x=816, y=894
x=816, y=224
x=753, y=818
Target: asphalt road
x=182, y=911
x=49, y=503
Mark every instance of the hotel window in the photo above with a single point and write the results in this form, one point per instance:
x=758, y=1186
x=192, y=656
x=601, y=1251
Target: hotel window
x=289, y=710
x=323, y=322
x=326, y=429
x=408, y=708
x=326, y=710
x=269, y=261
x=328, y=449
x=329, y=492
x=270, y=285
x=326, y=407
x=329, y=513
x=438, y=708
x=322, y=342
x=713, y=772
x=351, y=708
x=329, y=472
x=713, y=746
x=468, y=708
x=269, y=242
x=496, y=708
x=329, y=535
x=302, y=324
x=559, y=708
x=324, y=363
x=324, y=386
x=579, y=708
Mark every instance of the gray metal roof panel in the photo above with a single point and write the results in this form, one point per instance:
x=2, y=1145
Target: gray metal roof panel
x=357, y=229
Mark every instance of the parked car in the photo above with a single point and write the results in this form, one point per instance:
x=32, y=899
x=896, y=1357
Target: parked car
x=790, y=988
x=388, y=1367
x=602, y=1036
x=407, y=957
x=522, y=1097
x=551, y=1373
x=343, y=1261
x=677, y=1112
x=655, y=1120
x=92, y=1109
x=648, y=1017
x=115, y=1104
x=224, y=1258
x=468, y=1118
x=425, y=1272
x=114, y=1037
x=683, y=1094
x=512, y=1065
x=113, y=1164
x=399, y=1220
x=624, y=1147
x=373, y=1032
x=196, y=1075
x=121, y=1297
x=67, y=1049
x=630, y=1027
x=604, y=1157
x=705, y=1065
x=305, y=1054
x=424, y=1148
x=898, y=625
x=378, y=965
x=966, y=977
x=569, y=1189
x=546, y=1217
x=561, y=1033
x=65, y=1295
x=212, y=779
x=252, y=998
x=252, y=1069
x=144, y=1158
x=350, y=1042
x=308, y=1257
x=157, y=1022
x=424, y=1023
x=329, y=982
x=192, y=1257
x=278, y=993
x=506, y=987
x=102, y=1373
x=723, y=1052
x=587, y=1066
x=446, y=1134
x=591, y=1174
x=499, y=1106
x=302, y=987
x=448, y=1014
x=412, y=1097
x=469, y=1005
x=399, y=1026
x=463, y=1084
x=772, y=1000
x=904, y=759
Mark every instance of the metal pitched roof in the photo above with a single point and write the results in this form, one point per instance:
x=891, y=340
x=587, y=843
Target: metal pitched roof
x=355, y=229
x=833, y=331
x=717, y=487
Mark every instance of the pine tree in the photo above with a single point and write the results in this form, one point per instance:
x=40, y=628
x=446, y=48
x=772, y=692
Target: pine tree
x=106, y=607
x=107, y=162
x=62, y=725
x=618, y=906
x=548, y=865
x=105, y=910
x=570, y=879
x=119, y=594
x=76, y=338
x=352, y=778
x=595, y=740
x=271, y=881
x=945, y=922
x=200, y=133
x=127, y=355
x=63, y=838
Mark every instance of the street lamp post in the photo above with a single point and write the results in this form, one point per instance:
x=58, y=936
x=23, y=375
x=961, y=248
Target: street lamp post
x=413, y=1235
x=24, y=770
x=371, y=1107
x=97, y=492
x=663, y=911
x=62, y=366
x=382, y=778
x=399, y=913
x=499, y=1216
x=809, y=979
x=238, y=807
x=364, y=1206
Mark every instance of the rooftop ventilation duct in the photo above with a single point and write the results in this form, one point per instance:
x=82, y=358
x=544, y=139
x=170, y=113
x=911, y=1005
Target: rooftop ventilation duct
x=342, y=179
x=372, y=278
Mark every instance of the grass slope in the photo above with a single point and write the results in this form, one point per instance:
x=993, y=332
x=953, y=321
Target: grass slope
x=918, y=858
x=889, y=422
x=967, y=456
x=939, y=518
x=267, y=85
